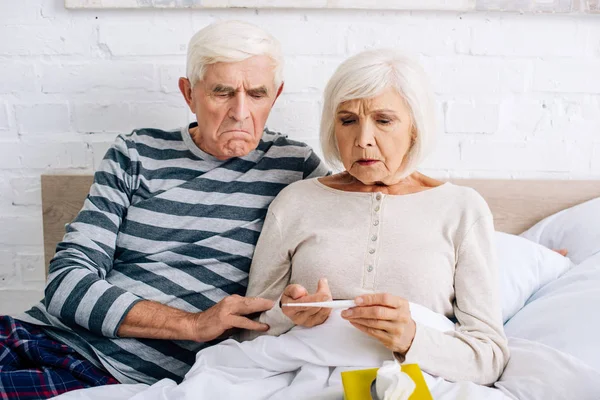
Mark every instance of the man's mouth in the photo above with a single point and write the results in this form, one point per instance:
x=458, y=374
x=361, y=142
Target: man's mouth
x=236, y=131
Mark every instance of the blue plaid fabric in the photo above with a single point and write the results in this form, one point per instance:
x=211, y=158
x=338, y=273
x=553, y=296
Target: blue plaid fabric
x=35, y=366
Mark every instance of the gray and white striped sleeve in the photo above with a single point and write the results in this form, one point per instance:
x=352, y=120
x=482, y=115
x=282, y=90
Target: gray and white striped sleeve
x=314, y=167
x=76, y=290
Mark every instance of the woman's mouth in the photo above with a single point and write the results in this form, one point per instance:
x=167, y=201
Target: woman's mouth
x=365, y=162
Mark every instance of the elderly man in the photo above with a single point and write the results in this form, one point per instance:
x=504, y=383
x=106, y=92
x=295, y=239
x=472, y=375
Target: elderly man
x=155, y=265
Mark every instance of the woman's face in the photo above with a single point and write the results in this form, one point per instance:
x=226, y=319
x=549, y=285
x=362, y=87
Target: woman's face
x=374, y=136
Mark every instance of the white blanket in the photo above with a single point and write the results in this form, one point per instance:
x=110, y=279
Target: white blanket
x=553, y=343
x=301, y=364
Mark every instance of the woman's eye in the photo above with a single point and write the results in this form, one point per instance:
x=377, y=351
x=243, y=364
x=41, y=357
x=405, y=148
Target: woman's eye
x=384, y=121
x=347, y=121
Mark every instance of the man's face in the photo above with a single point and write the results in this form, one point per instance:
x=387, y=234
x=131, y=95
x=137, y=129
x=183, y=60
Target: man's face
x=232, y=103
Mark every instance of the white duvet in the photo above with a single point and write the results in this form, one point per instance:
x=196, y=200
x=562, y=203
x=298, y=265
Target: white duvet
x=553, y=342
x=301, y=364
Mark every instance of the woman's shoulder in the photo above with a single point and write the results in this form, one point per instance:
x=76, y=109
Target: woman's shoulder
x=468, y=199
x=294, y=194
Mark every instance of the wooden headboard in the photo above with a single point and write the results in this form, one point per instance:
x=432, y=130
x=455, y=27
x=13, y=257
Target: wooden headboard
x=62, y=198
x=516, y=204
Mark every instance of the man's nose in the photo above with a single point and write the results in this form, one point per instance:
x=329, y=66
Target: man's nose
x=239, y=109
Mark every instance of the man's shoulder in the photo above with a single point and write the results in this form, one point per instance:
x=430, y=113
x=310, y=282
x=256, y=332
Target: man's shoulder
x=157, y=144
x=277, y=139
x=145, y=134
x=301, y=155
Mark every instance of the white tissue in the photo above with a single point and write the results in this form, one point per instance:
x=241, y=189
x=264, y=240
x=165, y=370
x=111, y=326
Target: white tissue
x=392, y=383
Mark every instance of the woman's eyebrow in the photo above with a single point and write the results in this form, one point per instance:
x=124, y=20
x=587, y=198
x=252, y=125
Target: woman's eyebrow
x=384, y=111
x=378, y=111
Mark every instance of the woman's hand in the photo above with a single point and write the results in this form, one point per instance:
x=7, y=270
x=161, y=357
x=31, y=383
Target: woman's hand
x=306, y=316
x=386, y=318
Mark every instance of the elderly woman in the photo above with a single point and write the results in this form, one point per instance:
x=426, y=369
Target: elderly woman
x=382, y=233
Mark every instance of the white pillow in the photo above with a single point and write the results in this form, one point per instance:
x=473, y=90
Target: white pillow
x=576, y=229
x=539, y=372
x=564, y=314
x=524, y=267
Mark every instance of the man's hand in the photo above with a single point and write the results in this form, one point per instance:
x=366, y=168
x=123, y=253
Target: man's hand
x=306, y=316
x=228, y=314
x=151, y=320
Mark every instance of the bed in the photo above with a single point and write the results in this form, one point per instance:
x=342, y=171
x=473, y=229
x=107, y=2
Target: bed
x=551, y=317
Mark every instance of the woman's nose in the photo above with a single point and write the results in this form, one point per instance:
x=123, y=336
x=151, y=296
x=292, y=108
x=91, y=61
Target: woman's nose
x=365, y=137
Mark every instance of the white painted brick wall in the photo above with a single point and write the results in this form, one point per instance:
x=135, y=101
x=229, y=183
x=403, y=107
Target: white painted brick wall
x=42, y=118
x=518, y=95
x=471, y=117
x=31, y=266
x=17, y=77
x=46, y=39
x=4, y=123
x=596, y=158
x=468, y=75
x=21, y=230
x=98, y=75
x=8, y=269
x=9, y=156
x=165, y=38
x=567, y=76
x=169, y=76
x=26, y=191
x=566, y=37
x=55, y=155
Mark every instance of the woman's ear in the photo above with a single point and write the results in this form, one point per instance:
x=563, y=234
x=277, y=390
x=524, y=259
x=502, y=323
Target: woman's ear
x=413, y=135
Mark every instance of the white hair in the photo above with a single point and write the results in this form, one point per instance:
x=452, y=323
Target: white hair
x=368, y=74
x=231, y=41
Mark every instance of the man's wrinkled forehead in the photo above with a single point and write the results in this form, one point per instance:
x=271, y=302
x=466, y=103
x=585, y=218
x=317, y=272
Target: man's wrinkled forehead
x=253, y=73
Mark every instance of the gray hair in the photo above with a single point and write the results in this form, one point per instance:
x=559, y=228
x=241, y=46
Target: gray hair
x=231, y=41
x=368, y=74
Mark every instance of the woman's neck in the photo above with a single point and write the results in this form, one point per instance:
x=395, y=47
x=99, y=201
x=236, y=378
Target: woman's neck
x=416, y=182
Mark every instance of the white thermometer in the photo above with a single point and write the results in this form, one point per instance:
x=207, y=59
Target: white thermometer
x=335, y=304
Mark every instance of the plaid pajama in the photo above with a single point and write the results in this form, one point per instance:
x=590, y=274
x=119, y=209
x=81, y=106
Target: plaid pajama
x=35, y=366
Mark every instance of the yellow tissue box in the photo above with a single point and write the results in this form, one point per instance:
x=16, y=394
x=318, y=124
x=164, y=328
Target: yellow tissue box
x=357, y=384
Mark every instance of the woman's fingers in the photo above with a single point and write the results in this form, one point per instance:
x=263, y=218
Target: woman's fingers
x=384, y=317
x=385, y=326
x=307, y=316
x=371, y=312
x=317, y=318
x=323, y=289
x=381, y=299
x=382, y=336
x=295, y=291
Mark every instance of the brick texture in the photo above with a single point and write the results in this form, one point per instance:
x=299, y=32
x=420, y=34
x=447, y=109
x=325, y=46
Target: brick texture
x=518, y=95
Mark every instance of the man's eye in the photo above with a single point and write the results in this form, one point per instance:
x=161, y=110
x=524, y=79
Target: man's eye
x=257, y=95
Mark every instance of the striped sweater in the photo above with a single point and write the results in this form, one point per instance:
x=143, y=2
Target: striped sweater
x=167, y=222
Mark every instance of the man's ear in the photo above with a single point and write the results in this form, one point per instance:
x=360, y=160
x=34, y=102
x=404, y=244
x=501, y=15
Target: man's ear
x=279, y=91
x=185, y=87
